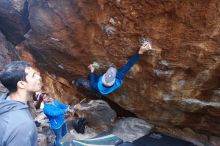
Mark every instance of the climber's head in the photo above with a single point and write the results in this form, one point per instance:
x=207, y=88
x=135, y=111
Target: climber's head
x=108, y=79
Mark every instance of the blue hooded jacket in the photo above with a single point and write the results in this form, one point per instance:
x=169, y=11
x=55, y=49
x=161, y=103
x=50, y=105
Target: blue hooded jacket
x=106, y=90
x=16, y=124
x=55, y=112
x=96, y=82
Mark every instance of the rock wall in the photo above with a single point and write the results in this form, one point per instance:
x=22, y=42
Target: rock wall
x=14, y=19
x=176, y=87
x=7, y=54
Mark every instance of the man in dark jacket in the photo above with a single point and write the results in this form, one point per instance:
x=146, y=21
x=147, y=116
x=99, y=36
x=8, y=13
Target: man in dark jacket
x=16, y=124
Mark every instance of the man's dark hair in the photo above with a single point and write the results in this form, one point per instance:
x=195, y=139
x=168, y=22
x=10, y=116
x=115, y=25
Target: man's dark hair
x=12, y=73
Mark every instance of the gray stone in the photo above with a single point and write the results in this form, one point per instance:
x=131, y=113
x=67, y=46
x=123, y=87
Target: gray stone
x=98, y=114
x=130, y=129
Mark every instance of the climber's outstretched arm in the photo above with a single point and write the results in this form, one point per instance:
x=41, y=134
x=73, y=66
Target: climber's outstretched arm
x=123, y=71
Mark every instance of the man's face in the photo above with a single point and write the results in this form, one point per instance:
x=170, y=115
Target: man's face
x=33, y=80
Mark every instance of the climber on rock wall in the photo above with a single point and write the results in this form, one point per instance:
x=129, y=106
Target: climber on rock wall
x=112, y=79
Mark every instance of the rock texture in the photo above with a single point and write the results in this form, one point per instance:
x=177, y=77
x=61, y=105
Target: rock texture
x=175, y=87
x=7, y=54
x=14, y=19
x=131, y=129
x=97, y=113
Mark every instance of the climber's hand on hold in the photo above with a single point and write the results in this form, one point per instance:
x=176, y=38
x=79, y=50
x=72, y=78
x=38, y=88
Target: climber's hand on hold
x=91, y=67
x=146, y=46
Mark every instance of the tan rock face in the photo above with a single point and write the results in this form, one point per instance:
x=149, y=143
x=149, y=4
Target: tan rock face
x=176, y=86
